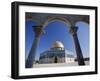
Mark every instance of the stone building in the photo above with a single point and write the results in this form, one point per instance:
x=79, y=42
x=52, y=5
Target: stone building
x=56, y=54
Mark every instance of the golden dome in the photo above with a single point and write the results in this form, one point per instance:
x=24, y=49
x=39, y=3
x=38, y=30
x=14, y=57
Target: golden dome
x=58, y=44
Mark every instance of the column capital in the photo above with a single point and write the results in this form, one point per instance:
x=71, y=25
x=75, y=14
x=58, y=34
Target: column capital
x=38, y=30
x=73, y=30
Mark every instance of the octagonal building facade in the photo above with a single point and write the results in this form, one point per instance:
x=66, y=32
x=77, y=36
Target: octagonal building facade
x=57, y=54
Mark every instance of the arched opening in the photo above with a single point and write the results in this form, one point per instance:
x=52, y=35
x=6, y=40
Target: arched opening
x=83, y=36
x=56, y=30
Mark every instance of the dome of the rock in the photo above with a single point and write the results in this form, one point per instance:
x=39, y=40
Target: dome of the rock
x=58, y=44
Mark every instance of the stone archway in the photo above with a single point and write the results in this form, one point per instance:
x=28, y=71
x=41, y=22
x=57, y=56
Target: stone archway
x=61, y=19
x=39, y=30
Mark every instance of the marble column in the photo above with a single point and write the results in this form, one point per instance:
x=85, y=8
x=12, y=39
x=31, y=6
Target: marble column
x=73, y=31
x=31, y=57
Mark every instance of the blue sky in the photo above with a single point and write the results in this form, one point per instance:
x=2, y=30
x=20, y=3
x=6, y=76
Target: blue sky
x=57, y=31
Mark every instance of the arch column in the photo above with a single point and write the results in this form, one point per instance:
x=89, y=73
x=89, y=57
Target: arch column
x=73, y=31
x=31, y=57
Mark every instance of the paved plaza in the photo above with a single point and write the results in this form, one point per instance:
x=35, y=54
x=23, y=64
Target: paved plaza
x=58, y=64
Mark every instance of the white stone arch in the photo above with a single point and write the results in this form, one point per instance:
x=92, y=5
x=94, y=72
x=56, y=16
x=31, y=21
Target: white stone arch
x=61, y=19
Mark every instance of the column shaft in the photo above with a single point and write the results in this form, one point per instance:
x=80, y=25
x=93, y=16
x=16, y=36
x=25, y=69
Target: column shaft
x=80, y=59
x=78, y=50
x=31, y=57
